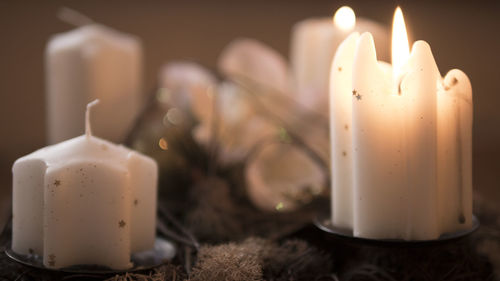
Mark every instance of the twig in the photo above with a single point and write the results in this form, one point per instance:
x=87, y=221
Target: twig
x=24, y=273
x=168, y=233
x=179, y=226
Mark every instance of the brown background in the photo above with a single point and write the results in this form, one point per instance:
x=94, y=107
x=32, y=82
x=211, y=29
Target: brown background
x=462, y=34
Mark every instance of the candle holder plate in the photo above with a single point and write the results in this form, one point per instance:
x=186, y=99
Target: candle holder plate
x=163, y=251
x=323, y=222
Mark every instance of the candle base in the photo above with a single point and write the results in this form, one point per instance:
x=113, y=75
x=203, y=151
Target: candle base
x=324, y=223
x=163, y=251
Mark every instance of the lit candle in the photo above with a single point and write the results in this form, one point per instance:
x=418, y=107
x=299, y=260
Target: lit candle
x=401, y=141
x=92, y=62
x=313, y=45
x=84, y=201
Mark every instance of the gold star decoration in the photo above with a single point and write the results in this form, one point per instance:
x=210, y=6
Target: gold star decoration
x=136, y=201
x=121, y=223
x=454, y=81
x=340, y=68
x=356, y=94
x=344, y=153
x=57, y=182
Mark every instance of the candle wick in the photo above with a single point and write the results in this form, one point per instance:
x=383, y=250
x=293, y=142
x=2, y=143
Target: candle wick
x=88, y=131
x=73, y=17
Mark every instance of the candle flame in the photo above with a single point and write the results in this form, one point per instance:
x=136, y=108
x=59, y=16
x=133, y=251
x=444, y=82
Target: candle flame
x=344, y=18
x=88, y=131
x=400, y=45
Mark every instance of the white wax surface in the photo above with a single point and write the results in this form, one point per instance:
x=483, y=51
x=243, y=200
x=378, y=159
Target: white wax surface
x=84, y=201
x=340, y=132
x=87, y=63
x=409, y=175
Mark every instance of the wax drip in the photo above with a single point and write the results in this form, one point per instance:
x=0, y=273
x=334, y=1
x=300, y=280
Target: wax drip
x=88, y=131
x=73, y=17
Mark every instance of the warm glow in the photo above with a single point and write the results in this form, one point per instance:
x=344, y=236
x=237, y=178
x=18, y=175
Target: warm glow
x=163, y=144
x=400, y=46
x=344, y=18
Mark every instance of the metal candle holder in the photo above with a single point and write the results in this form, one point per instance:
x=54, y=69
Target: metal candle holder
x=324, y=223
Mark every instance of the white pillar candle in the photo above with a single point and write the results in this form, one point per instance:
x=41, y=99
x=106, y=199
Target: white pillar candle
x=407, y=162
x=87, y=63
x=84, y=201
x=313, y=45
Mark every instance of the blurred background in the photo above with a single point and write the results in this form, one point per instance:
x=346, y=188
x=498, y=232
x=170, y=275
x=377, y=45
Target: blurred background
x=462, y=34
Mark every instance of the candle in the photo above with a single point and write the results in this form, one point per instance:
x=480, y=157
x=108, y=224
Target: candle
x=84, y=201
x=313, y=45
x=401, y=141
x=92, y=62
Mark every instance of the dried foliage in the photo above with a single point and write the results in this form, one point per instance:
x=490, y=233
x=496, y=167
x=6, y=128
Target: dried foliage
x=260, y=259
x=227, y=262
x=166, y=272
x=214, y=214
x=220, y=211
x=295, y=260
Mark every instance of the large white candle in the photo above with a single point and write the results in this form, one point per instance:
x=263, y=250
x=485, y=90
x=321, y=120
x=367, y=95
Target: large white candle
x=87, y=63
x=405, y=158
x=313, y=45
x=84, y=201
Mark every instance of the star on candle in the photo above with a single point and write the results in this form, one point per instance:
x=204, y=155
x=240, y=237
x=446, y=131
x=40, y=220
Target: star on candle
x=354, y=92
x=121, y=223
x=340, y=68
x=358, y=96
x=57, y=182
x=136, y=202
x=454, y=81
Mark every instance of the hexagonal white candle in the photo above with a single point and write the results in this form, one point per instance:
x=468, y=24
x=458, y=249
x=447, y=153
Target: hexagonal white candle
x=401, y=141
x=84, y=201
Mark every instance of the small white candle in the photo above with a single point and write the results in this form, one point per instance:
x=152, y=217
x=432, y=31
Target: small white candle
x=84, y=201
x=401, y=141
x=313, y=45
x=87, y=63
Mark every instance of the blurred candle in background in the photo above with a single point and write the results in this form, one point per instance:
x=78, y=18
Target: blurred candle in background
x=313, y=45
x=401, y=141
x=93, y=62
